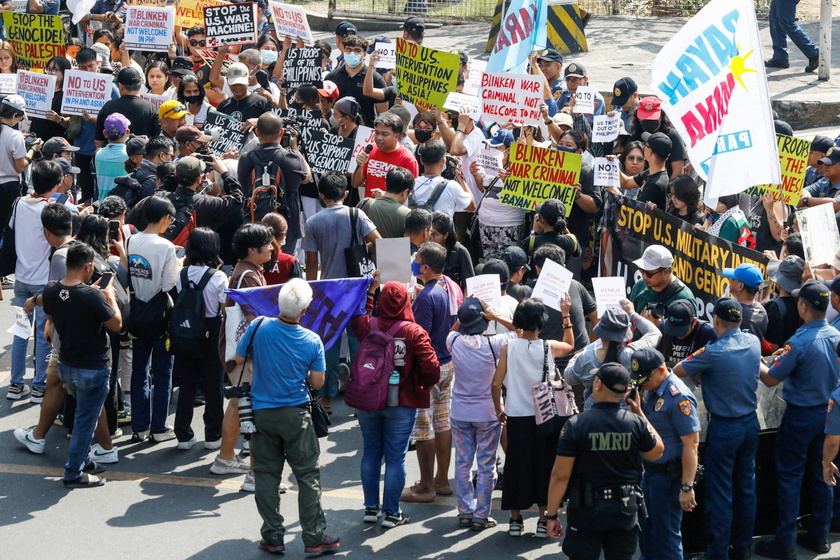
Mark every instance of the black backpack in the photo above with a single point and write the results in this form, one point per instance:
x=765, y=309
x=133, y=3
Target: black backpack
x=268, y=189
x=128, y=189
x=188, y=333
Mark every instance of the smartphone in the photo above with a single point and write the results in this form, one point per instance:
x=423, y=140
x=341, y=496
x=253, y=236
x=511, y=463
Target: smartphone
x=62, y=198
x=204, y=157
x=180, y=252
x=87, y=202
x=106, y=279
x=113, y=230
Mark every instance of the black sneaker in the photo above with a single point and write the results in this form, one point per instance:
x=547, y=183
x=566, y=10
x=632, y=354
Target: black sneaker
x=392, y=520
x=273, y=545
x=809, y=541
x=773, y=63
x=140, y=437
x=813, y=64
x=372, y=514
x=328, y=544
x=772, y=549
x=739, y=553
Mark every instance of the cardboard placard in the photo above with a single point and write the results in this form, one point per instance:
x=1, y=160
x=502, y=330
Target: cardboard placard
x=820, y=239
x=552, y=284
x=327, y=152
x=230, y=130
x=490, y=160
x=209, y=56
x=474, y=73
x=487, y=288
x=148, y=28
x=606, y=173
x=37, y=91
x=464, y=104
x=290, y=21
x=302, y=66
x=156, y=100
x=609, y=291
x=235, y=24
x=793, y=160
x=537, y=174
x=511, y=98
x=393, y=260
x=584, y=100
x=85, y=91
x=8, y=84
x=35, y=38
x=189, y=13
x=364, y=137
x=425, y=76
x=604, y=128
x=387, y=55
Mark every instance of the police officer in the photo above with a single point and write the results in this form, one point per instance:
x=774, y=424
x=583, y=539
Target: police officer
x=729, y=369
x=599, y=462
x=808, y=366
x=832, y=447
x=668, y=483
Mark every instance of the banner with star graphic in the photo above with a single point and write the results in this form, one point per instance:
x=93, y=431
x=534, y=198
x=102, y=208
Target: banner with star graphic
x=710, y=78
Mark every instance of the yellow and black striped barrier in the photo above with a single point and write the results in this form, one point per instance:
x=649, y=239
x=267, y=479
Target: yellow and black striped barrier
x=495, y=25
x=565, y=27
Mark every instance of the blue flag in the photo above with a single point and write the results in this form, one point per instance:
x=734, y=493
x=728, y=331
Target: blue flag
x=334, y=302
x=523, y=31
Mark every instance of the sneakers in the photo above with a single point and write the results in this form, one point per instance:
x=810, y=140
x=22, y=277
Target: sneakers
x=37, y=395
x=515, y=527
x=212, y=445
x=59, y=419
x=185, y=445
x=166, y=435
x=118, y=433
x=392, y=520
x=140, y=437
x=813, y=64
x=246, y=448
x=773, y=63
x=248, y=484
x=27, y=438
x=328, y=544
x=124, y=415
x=343, y=374
x=100, y=455
x=372, y=514
x=273, y=545
x=772, y=549
x=229, y=466
x=282, y=489
x=542, y=529
x=18, y=391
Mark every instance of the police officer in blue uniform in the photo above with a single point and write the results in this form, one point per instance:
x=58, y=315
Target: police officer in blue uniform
x=668, y=484
x=807, y=364
x=827, y=188
x=599, y=462
x=729, y=370
x=832, y=445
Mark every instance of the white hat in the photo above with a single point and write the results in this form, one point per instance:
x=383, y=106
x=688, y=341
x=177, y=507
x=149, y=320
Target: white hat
x=238, y=74
x=655, y=256
x=563, y=119
x=16, y=102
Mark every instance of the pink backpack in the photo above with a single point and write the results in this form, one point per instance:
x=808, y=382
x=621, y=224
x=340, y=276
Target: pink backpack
x=367, y=386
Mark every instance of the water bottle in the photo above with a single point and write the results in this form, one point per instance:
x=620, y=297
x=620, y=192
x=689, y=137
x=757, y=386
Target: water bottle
x=394, y=388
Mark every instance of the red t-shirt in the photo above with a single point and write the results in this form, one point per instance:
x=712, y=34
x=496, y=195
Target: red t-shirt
x=277, y=271
x=380, y=163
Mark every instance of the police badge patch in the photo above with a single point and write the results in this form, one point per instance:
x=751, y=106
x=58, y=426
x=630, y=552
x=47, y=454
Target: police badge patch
x=674, y=390
x=658, y=405
x=696, y=354
x=830, y=405
x=685, y=407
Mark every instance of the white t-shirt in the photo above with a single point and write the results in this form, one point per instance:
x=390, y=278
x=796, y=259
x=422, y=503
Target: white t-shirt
x=493, y=213
x=32, y=248
x=506, y=310
x=473, y=143
x=452, y=199
x=11, y=148
x=214, y=291
x=152, y=265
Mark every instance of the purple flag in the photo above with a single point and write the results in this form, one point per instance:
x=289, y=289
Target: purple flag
x=334, y=302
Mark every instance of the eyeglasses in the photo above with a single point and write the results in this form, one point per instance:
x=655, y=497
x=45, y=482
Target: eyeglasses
x=51, y=69
x=195, y=43
x=176, y=109
x=573, y=79
x=651, y=273
x=637, y=159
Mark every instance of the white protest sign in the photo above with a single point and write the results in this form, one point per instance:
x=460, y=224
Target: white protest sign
x=490, y=160
x=511, y=98
x=606, y=173
x=387, y=55
x=604, y=128
x=148, y=28
x=464, y=104
x=37, y=91
x=609, y=291
x=156, y=100
x=475, y=72
x=364, y=136
x=393, y=259
x=585, y=100
x=290, y=21
x=79, y=8
x=234, y=24
x=8, y=84
x=21, y=327
x=552, y=284
x=487, y=288
x=85, y=91
x=820, y=239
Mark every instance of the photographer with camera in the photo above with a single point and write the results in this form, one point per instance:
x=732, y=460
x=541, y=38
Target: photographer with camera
x=441, y=186
x=658, y=284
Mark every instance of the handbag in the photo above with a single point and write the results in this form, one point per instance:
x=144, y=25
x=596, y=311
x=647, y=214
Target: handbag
x=552, y=402
x=320, y=419
x=356, y=257
x=235, y=324
x=8, y=255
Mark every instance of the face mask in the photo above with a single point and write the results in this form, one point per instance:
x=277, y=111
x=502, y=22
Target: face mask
x=192, y=98
x=423, y=135
x=335, y=121
x=567, y=150
x=415, y=268
x=268, y=57
x=649, y=126
x=352, y=59
x=202, y=150
x=296, y=105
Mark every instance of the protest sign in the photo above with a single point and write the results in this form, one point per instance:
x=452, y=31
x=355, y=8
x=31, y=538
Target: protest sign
x=584, y=100
x=464, y=104
x=148, y=28
x=552, y=284
x=818, y=226
x=364, y=137
x=540, y=173
x=305, y=121
x=387, y=55
x=474, y=74
x=85, y=91
x=490, y=160
x=699, y=258
x=8, y=84
x=793, y=160
x=21, y=328
x=606, y=173
x=487, y=288
x=235, y=24
x=609, y=291
x=37, y=91
x=290, y=21
x=209, y=56
x=302, y=66
x=156, y=100
x=189, y=13
x=393, y=260
x=35, y=38
x=79, y=8
x=604, y=128
x=511, y=98
x=328, y=152
x=425, y=76
x=230, y=132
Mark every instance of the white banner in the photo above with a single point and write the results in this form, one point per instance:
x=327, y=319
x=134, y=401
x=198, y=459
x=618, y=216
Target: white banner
x=85, y=91
x=37, y=90
x=148, y=28
x=604, y=128
x=606, y=173
x=387, y=55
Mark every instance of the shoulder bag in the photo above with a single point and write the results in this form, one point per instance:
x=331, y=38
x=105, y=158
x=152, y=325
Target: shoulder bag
x=235, y=324
x=356, y=256
x=552, y=402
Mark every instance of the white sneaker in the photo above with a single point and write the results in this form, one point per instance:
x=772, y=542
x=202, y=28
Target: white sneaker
x=37, y=395
x=105, y=456
x=184, y=445
x=166, y=435
x=229, y=466
x=26, y=438
x=18, y=391
x=215, y=444
x=248, y=484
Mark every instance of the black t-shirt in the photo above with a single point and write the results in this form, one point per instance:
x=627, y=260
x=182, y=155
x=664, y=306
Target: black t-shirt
x=760, y=227
x=351, y=86
x=779, y=329
x=606, y=442
x=46, y=129
x=519, y=292
x=582, y=305
x=677, y=150
x=563, y=241
x=578, y=221
x=78, y=313
x=754, y=319
x=676, y=350
x=142, y=115
x=252, y=106
x=653, y=187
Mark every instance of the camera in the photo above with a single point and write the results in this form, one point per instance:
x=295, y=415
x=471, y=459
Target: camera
x=246, y=412
x=450, y=167
x=291, y=127
x=31, y=139
x=657, y=309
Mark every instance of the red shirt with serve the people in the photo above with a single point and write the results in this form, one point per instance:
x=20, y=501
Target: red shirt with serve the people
x=380, y=163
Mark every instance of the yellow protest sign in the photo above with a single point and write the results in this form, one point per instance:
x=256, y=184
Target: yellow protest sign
x=537, y=174
x=191, y=12
x=35, y=38
x=425, y=76
x=793, y=159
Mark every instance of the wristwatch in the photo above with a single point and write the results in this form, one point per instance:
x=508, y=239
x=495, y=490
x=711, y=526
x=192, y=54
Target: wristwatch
x=545, y=514
x=687, y=487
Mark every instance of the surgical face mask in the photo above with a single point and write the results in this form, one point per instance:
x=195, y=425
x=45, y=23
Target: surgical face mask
x=268, y=57
x=423, y=135
x=335, y=121
x=415, y=268
x=649, y=125
x=352, y=59
x=192, y=98
x=567, y=150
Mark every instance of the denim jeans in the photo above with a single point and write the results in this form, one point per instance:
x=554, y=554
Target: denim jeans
x=385, y=434
x=333, y=355
x=783, y=25
x=150, y=408
x=20, y=345
x=89, y=387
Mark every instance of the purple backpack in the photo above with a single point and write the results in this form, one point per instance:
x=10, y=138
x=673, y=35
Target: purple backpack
x=367, y=386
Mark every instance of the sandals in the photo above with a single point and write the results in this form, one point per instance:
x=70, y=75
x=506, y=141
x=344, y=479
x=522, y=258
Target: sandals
x=85, y=481
x=479, y=524
x=465, y=520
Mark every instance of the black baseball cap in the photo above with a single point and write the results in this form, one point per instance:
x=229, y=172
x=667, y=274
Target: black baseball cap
x=345, y=29
x=835, y=285
x=575, y=69
x=414, y=23
x=832, y=156
x=815, y=293
x=679, y=318
x=615, y=377
x=821, y=144
x=781, y=127
x=56, y=145
x=659, y=143
x=622, y=90
x=643, y=362
x=728, y=309
x=551, y=210
x=550, y=55
x=470, y=318
x=495, y=266
x=129, y=76
x=182, y=65
x=515, y=258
